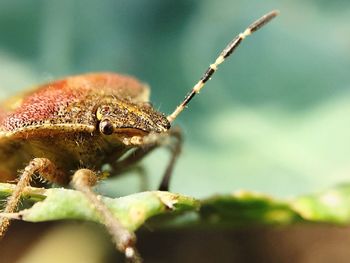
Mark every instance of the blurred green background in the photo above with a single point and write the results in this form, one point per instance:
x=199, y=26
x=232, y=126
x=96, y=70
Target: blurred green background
x=275, y=118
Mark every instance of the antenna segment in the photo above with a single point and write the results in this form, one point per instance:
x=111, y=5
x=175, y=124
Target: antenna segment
x=225, y=53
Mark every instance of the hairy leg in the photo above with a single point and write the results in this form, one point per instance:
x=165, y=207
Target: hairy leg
x=42, y=166
x=83, y=180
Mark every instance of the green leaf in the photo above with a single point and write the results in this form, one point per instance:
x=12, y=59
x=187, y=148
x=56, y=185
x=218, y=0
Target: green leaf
x=239, y=209
x=330, y=206
x=246, y=208
x=132, y=211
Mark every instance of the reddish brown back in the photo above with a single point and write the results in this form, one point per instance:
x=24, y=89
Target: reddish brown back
x=45, y=101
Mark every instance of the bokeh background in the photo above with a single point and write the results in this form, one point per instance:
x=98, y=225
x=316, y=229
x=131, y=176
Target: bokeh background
x=275, y=117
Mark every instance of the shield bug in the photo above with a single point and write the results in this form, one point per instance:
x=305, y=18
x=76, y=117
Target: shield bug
x=83, y=122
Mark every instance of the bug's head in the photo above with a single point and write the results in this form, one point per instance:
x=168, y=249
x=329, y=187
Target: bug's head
x=127, y=119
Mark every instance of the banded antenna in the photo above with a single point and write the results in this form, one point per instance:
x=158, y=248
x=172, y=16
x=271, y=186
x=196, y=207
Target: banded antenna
x=225, y=53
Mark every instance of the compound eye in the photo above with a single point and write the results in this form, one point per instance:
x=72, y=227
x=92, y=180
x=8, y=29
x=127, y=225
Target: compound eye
x=106, y=127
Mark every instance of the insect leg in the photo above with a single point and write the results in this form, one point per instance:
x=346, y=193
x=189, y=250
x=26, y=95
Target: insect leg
x=83, y=180
x=172, y=139
x=46, y=169
x=175, y=148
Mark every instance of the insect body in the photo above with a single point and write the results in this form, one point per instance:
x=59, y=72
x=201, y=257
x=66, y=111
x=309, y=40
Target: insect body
x=83, y=122
x=78, y=122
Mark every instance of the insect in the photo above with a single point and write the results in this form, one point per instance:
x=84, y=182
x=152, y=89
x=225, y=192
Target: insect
x=81, y=123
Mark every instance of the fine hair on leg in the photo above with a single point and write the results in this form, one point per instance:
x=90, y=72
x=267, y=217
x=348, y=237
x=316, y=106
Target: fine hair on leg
x=41, y=166
x=83, y=180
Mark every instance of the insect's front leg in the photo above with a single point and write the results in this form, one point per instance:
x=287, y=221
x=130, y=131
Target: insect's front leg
x=83, y=180
x=175, y=148
x=171, y=139
x=45, y=169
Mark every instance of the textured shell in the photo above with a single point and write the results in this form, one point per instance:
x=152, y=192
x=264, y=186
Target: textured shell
x=44, y=104
x=57, y=121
